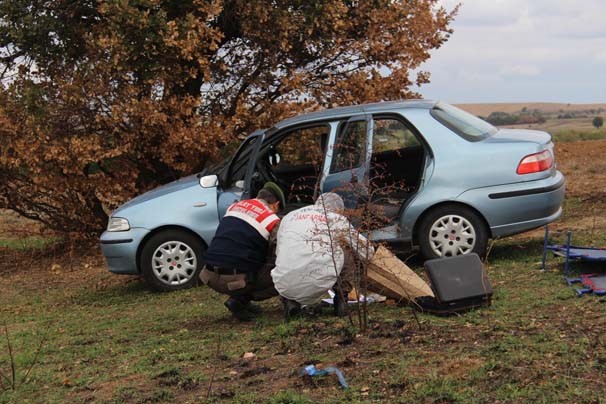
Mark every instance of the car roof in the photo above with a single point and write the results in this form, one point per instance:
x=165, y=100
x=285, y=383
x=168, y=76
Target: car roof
x=375, y=107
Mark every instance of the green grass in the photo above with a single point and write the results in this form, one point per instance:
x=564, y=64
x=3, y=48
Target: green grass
x=572, y=135
x=110, y=340
x=123, y=343
x=29, y=243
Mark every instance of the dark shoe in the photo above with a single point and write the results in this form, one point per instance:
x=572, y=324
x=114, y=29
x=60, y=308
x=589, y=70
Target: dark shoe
x=339, y=306
x=243, y=315
x=291, y=308
x=312, y=310
x=238, y=309
x=254, y=308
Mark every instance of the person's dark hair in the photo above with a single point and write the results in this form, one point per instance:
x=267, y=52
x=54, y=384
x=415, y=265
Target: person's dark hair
x=267, y=196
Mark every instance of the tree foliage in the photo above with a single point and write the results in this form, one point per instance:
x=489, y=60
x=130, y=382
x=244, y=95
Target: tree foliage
x=102, y=100
x=597, y=122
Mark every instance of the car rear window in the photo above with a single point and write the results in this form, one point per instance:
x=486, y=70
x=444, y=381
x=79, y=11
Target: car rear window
x=464, y=124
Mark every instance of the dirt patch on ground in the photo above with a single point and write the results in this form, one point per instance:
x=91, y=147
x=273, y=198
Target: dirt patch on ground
x=459, y=367
x=584, y=166
x=57, y=267
x=12, y=225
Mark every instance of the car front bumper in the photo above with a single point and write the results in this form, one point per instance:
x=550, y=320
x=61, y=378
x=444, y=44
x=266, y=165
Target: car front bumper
x=120, y=250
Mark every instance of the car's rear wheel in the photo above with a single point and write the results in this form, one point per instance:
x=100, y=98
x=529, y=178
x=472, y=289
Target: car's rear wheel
x=452, y=230
x=172, y=260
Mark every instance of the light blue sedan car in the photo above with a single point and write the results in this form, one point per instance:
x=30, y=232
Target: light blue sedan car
x=460, y=181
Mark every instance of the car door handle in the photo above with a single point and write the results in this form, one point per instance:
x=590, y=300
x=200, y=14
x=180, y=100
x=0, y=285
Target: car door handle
x=199, y=204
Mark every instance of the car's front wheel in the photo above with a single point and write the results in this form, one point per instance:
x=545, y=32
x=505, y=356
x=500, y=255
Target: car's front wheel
x=452, y=230
x=171, y=260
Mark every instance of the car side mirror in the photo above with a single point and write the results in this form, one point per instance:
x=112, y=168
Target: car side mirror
x=209, y=181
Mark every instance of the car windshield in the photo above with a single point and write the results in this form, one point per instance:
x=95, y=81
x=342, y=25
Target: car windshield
x=462, y=123
x=215, y=168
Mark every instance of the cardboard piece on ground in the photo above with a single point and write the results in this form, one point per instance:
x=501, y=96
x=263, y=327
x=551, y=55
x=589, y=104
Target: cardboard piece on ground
x=389, y=276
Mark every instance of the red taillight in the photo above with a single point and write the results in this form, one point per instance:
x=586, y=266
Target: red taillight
x=535, y=163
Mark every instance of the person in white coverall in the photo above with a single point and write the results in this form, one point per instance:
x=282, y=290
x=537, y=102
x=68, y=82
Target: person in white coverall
x=316, y=245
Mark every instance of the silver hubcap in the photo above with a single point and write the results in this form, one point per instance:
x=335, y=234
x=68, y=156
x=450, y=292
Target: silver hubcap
x=174, y=263
x=452, y=235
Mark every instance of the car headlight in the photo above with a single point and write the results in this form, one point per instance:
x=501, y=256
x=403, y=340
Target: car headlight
x=118, y=224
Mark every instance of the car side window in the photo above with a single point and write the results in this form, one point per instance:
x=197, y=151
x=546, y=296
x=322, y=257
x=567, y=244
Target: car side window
x=303, y=147
x=350, y=147
x=391, y=134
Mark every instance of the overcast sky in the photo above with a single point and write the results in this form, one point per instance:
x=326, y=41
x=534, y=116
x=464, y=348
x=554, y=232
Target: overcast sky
x=522, y=51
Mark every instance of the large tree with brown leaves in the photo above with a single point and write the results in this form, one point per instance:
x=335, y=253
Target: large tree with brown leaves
x=104, y=99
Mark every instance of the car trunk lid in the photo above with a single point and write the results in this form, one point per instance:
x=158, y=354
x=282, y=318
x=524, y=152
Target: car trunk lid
x=536, y=141
x=519, y=135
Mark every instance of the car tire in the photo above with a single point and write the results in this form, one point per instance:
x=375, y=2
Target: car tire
x=171, y=260
x=452, y=230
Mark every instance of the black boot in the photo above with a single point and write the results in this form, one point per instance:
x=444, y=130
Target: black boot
x=291, y=308
x=254, y=308
x=238, y=309
x=339, y=306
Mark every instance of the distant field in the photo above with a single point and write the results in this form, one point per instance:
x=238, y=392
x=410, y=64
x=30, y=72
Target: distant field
x=546, y=107
x=567, y=122
x=559, y=124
